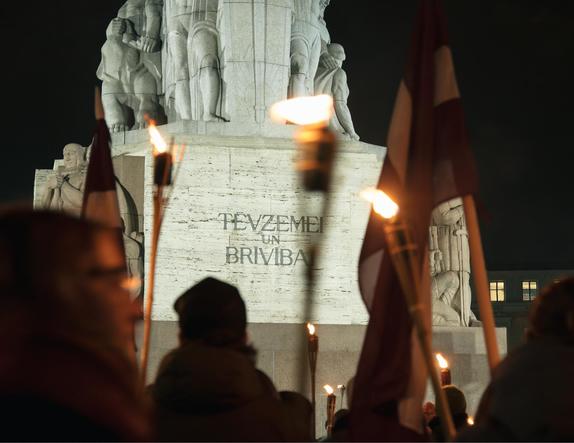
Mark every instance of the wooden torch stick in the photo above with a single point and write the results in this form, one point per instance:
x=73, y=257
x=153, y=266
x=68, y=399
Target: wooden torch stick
x=481, y=282
x=157, y=201
x=403, y=253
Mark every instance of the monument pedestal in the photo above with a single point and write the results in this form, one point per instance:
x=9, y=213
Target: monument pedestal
x=238, y=212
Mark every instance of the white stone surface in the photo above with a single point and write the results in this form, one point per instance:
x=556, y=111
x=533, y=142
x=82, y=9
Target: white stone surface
x=40, y=178
x=255, y=178
x=185, y=60
x=255, y=39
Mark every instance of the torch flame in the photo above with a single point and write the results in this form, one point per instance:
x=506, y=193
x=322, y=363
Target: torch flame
x=156, y=139
x=470, y=421
x=311, y=329
x=303, y=110
x=382, y=203
x=340, y=386
x=328, y=389
x=442, y=363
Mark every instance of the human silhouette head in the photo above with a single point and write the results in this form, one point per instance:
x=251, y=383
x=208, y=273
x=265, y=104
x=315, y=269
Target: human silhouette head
x=214, y=312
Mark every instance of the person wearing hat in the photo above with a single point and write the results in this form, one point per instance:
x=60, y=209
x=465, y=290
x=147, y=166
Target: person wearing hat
x=208, y=388
x=457, y=404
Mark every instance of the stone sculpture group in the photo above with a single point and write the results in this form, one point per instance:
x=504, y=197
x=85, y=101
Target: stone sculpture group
x=171, y=60
x=228, y=60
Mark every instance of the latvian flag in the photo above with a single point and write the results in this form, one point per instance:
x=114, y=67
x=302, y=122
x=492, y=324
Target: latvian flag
x=428, y=162
x=100, y=203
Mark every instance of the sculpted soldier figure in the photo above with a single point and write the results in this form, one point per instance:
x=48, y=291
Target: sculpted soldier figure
x=131, y=65
x=194, y=49
x=331, y=79
x=64, y=190
x=444, y=286
x=309, y=37
x=452, y=238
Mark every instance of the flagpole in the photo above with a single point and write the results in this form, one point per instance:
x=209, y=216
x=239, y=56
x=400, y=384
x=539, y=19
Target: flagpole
x=403, y=251
x=481, y=282
x=162, y=178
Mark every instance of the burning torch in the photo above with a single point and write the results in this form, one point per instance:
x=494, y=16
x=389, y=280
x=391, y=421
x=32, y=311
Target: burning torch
x=403, y=252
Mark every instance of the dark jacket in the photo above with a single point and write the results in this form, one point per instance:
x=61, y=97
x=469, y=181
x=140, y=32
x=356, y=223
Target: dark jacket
x=57, y=388
x=206, y=393
x=530, y=398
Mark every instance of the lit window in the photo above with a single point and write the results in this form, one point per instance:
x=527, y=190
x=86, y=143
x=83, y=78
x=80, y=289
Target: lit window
x=497, y=290
x=529, y=290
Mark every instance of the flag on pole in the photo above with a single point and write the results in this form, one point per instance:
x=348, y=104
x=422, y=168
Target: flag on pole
x=429, y=161
x=100, y=203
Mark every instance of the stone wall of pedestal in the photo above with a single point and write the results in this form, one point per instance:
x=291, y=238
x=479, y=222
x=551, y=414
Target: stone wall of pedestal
x=238, y=212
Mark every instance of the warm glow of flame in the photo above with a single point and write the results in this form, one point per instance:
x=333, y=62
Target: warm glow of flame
x=304, y=110
x=328, y=389
x=340, y=386
x=131, y=284
x=382, y=203
x=311, y=329
x=156, y=139
x=442, y=363
x=470, y=421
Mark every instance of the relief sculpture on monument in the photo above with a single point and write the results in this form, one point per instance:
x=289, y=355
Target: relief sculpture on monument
x=449, y=255
x=309, y=38
x=331, y=79
x=64, y=188
x=193, y=59
x=130, y=68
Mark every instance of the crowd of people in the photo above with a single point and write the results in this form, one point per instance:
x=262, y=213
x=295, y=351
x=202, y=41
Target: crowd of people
x=68, y=370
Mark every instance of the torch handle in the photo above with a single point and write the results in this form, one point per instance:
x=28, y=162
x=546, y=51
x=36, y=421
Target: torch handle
x=157, y=216
x=403, y=252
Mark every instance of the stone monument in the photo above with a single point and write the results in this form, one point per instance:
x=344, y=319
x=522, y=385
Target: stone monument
x=63, y=188
x=130, y=69
x=331, y=79
x=449, y=254
x=212, y=69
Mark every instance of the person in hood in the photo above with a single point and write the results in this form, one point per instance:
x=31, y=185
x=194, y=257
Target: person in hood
x=531, y=395
x=208, y=388
x=67, y=366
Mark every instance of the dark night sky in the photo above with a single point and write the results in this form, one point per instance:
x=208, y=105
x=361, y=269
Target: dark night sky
x=514, y=61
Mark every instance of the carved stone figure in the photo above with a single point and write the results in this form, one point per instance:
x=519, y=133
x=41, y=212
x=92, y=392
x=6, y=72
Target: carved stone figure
x=309, y=37
x=331, y=79
x=131, y=66
x=178, y=21
x=64, y=189
x=451, y=237
x=444, y=286
x=194, y=51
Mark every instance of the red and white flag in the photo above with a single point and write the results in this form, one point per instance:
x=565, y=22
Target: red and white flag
x=100, y=203
x=429, y=161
